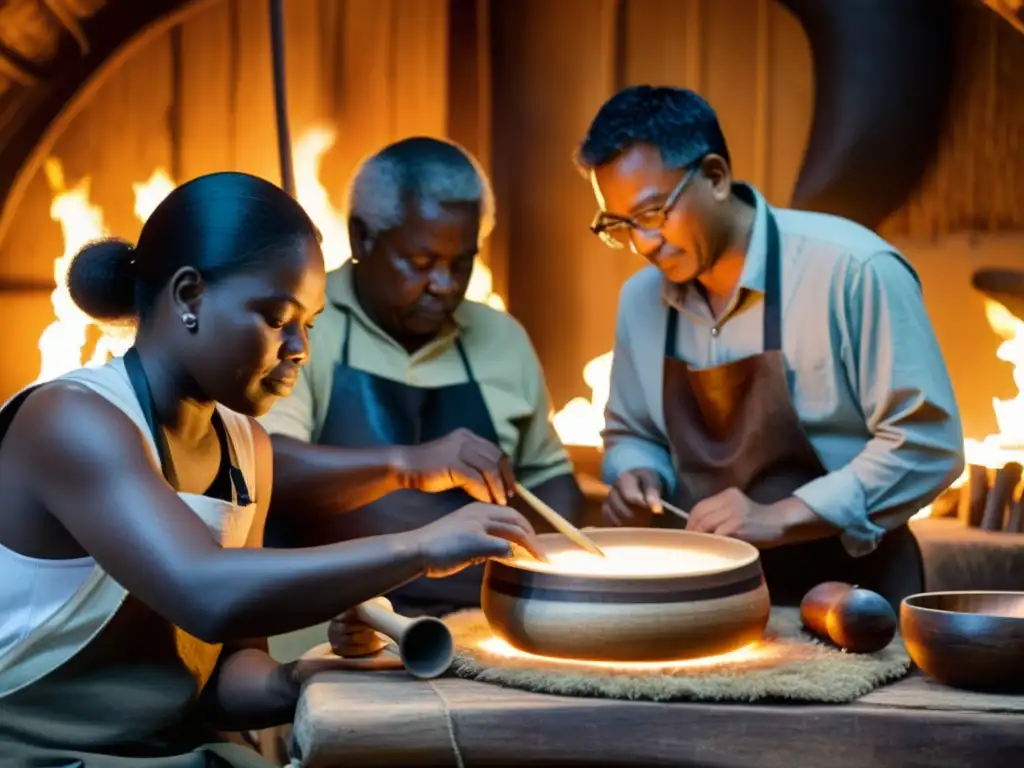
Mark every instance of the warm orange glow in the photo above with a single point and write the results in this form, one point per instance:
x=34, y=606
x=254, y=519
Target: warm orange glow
x=62, y=343
x=631, y=561
x=150, y=193
x=580, y=422
x=307, y=155
x=752, y=652
x=1007, y=445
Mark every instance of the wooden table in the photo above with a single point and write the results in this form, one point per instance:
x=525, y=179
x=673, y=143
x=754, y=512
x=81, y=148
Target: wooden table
x=390, y=719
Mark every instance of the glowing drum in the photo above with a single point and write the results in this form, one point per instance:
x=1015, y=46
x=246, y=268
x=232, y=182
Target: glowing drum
x=659, y=595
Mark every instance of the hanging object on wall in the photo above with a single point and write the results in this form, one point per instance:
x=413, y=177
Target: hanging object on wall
x=882, y=73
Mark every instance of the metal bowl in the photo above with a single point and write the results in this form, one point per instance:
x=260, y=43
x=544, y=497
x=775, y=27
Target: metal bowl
x=708, y=598
x=967, y=639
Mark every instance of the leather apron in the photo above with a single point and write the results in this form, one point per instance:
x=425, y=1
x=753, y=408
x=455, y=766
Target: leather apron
x=107, y=682
x=366, y=410
x=735, y=426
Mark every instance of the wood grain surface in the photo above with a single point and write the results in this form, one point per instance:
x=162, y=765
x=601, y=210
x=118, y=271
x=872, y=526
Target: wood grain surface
x=389, y=719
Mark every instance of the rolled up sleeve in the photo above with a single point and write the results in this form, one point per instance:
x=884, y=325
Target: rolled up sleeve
x=292, y=416
x=904, y=391
x=540, y=455
x=631, y=438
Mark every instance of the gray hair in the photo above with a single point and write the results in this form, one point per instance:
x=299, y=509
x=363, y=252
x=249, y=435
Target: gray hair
x=422, y=168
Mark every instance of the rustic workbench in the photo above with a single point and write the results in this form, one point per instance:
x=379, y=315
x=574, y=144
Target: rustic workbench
x=390, y=719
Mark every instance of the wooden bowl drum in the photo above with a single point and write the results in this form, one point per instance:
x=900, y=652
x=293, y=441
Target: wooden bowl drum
x=659, y=595
x=967, y=639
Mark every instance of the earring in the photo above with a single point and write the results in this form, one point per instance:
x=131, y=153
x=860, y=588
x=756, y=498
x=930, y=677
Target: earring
x=190, y=321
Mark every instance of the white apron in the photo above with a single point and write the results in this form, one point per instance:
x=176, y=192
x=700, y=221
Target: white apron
x=47, y=659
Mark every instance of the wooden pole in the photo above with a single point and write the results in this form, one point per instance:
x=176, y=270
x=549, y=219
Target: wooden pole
x=284, y=141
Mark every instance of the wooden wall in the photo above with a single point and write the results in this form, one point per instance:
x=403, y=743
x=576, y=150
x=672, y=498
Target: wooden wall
x=975, y=183
x=517, y=81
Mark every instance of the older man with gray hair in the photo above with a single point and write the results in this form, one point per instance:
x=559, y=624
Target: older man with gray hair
x=414, y=401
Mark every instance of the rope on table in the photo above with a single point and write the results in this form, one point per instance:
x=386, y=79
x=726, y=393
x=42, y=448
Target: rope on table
x=449, y=721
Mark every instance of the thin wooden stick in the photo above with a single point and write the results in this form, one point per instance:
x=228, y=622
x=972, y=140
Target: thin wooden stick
x=675, y=510
x=559, y=523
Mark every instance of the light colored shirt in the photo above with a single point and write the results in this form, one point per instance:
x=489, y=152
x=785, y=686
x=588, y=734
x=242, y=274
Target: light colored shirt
x=884, y=424
x=500, y=354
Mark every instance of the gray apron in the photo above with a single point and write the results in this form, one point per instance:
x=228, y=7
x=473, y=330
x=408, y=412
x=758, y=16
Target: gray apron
x=367, y=410
x=734, y=426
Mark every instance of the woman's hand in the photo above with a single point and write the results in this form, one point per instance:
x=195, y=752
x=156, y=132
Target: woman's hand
x=471, y=535
x=351, y=637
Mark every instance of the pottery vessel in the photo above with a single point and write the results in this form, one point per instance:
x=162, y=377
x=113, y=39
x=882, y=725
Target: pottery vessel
x=967, y=639
x=677, y=613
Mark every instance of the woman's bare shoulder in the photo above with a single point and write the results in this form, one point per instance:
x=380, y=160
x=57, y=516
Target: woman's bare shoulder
x=64, y=419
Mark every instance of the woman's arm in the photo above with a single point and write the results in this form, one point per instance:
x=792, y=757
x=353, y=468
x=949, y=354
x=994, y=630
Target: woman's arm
x=89, y=467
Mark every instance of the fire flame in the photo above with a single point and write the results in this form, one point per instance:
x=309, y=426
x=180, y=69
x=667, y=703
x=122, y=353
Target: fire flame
x=580, y=422
x=62, y=344
x=1007, y=444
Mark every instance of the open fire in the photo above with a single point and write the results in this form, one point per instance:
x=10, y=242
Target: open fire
x=986, y=494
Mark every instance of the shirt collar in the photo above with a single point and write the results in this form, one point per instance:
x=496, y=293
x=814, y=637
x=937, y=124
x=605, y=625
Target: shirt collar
x=342, y=293
x=753, y=275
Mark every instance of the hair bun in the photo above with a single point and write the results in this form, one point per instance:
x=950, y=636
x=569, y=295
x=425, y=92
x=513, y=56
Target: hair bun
x=101, y=281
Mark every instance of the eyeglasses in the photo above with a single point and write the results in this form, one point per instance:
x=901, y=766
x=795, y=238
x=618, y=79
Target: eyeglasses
x=617, y=231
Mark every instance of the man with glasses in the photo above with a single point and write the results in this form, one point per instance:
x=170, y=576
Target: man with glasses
x=756, y=380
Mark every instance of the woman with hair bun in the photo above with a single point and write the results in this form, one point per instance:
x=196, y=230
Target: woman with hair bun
x=134, y=496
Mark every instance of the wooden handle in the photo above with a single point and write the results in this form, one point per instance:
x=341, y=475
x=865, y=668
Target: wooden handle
x=385, y=621
x=425, y=644
x=559, y=523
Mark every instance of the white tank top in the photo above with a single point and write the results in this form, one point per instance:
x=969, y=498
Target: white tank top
x=31, y=589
